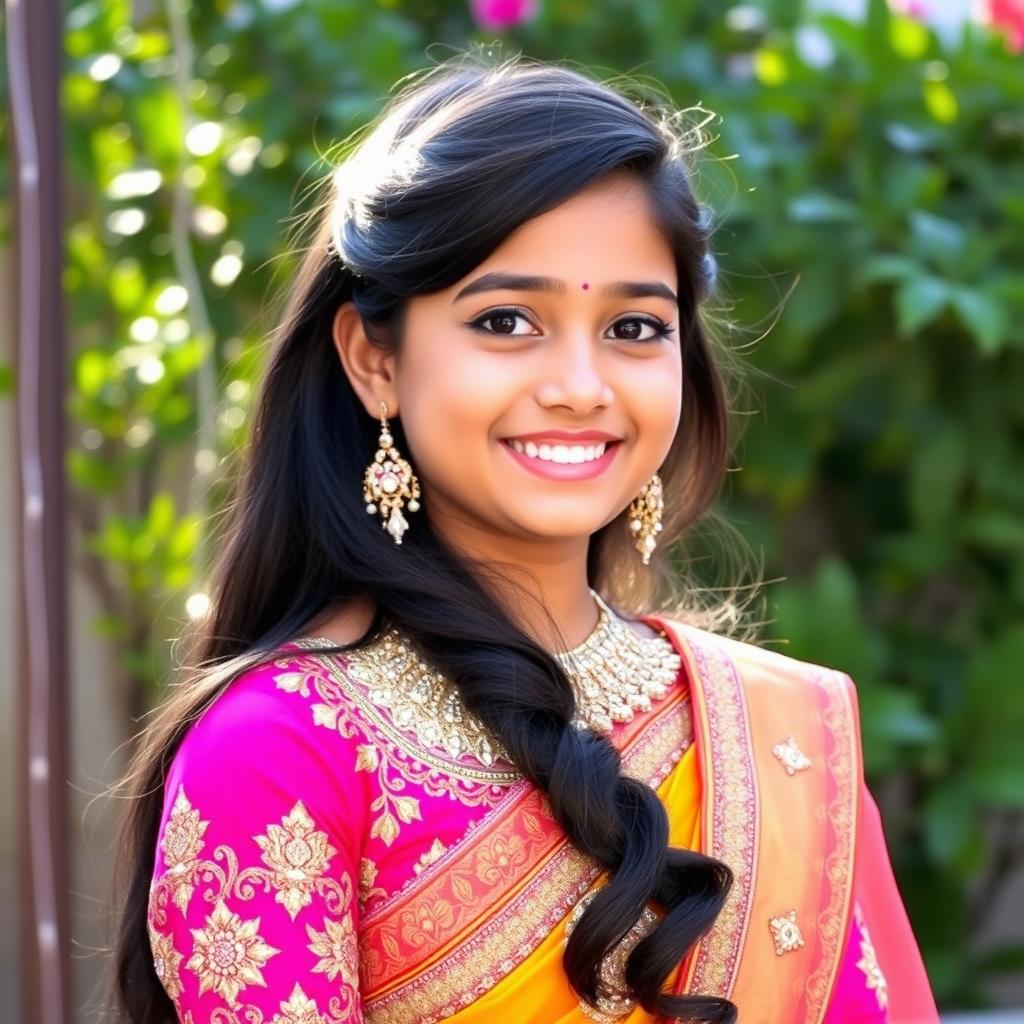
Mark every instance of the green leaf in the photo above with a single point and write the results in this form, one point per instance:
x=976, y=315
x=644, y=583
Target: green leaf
x=896, y=717
x=984, y=316
x=1002, y=960
x=941, y=102
x=160, y=519
x=127, y=285
x=908, y=37
x=938, y=239
x=999, y=530
x=999, y=780
x=822, y=208
x=114, y=541
x=92, y=370
x=919, y=301
x=160, y=118
x=888, y=266
x=92, y=472
x=822, y=622
x=185, y=537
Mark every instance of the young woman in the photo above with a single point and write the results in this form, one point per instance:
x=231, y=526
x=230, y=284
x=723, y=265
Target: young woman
x=449, y=752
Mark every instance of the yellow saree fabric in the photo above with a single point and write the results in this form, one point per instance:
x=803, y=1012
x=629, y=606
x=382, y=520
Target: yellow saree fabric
x=537, y=991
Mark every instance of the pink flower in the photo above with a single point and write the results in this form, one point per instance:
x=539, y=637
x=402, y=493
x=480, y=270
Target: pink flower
x=911, y=8
x=1009, y=16
x=501, y=14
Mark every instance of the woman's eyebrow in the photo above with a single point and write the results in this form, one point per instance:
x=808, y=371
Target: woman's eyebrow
x=499, y=281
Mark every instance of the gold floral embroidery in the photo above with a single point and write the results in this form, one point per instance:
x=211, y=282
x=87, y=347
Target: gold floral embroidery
x=228, y=954
x=367, y=876
x=336, y=947
x=384, y=751
x=181, y=846
x=299, y=1009
x=297, y=854
x=868, y=963
x=344, y=682
x=166, y=962
x=393, y=807
x=436, y=851
x=424, y=917
x=418, y=699
x=500, y=858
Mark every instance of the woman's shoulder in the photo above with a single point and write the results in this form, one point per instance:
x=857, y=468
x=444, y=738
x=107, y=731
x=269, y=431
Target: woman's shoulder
x=283, y=708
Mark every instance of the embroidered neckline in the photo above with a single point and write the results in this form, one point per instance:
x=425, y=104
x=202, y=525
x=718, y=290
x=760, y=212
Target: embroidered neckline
x=614, y=672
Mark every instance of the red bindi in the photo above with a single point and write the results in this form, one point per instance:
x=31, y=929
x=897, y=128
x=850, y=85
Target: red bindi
x=585, y=286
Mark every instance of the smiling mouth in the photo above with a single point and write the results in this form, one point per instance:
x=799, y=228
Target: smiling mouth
x=560, y=452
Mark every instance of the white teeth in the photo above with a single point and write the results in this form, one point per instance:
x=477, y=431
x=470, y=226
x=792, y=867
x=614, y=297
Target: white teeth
x=561, y=453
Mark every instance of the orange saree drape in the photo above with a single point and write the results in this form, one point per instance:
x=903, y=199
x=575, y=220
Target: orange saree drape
x=538, y=989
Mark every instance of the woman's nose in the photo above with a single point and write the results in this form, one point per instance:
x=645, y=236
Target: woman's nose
x=579, y=376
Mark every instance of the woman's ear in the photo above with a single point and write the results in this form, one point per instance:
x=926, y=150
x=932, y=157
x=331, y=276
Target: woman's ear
x=370, y=368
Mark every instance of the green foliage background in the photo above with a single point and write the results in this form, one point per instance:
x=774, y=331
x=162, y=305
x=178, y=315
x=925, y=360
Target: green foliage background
x=871, y=244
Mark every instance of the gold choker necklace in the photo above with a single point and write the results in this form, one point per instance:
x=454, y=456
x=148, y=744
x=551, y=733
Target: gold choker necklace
x=614, y=673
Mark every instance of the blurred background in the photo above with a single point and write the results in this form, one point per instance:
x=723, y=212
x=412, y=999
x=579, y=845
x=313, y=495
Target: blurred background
x=866, y=162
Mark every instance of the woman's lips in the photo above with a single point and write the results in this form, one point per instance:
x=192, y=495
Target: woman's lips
x=565, y=470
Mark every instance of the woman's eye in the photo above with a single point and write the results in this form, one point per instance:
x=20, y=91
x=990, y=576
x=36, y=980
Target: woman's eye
x=504, y=319
x=636, y=324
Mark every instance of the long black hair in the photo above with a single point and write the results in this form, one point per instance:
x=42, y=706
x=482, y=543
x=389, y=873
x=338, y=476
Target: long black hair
x=464, y=154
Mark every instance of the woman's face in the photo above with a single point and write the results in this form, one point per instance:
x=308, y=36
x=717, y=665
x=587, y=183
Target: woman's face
x=482, y=364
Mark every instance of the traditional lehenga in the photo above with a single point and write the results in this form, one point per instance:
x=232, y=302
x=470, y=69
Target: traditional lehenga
x=331, y=850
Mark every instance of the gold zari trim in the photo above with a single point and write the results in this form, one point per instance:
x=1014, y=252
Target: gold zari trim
x=615, y=672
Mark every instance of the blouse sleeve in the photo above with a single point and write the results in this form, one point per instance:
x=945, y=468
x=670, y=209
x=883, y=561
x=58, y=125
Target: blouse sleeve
x=253, y=913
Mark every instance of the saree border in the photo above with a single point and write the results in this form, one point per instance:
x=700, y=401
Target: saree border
x=841, y=723
x=453, y=975
x=730, y=822
x=732, y=826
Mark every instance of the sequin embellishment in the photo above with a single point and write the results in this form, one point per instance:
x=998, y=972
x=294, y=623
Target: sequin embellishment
x=786, y=933
x=792, y=757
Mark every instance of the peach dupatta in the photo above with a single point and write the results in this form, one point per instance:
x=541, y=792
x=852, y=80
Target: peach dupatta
x=786, y=806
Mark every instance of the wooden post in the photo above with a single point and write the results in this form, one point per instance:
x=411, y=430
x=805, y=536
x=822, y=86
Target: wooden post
x=34, y=61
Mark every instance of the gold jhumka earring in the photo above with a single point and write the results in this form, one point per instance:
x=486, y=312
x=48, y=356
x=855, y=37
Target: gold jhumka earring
x=645, y=517
x=389, y=481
